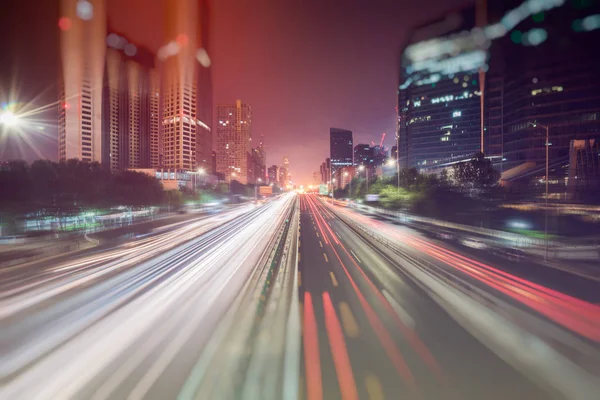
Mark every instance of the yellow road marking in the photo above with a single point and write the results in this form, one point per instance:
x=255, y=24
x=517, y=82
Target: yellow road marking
x=326, y=259
x=374, y=387
x=333, y=280
x=299, y=277
x=321, y=243
x=317, y=232
x=348, y=320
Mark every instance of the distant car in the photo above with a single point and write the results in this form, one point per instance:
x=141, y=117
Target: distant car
x=444, y=235
x=510, y=253
x=473, y=243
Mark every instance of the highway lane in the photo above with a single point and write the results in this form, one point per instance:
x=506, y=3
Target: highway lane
x=566, y=311
x=368, y=332
x=133, y=321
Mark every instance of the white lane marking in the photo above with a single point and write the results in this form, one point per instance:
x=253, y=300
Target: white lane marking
x=355, y=256
x=402, y=314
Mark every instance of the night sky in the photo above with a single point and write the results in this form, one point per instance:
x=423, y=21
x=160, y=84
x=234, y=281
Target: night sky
x=303, y=66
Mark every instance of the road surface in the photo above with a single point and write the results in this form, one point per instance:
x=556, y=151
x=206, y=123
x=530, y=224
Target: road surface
x=285, y=300
x=369, y=332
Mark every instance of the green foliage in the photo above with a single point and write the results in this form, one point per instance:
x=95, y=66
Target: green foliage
x=393, y=198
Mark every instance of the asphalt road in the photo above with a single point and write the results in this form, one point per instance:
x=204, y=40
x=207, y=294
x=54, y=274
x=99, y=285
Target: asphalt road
x=193, y=310
x=368, y=332
x=131, y=321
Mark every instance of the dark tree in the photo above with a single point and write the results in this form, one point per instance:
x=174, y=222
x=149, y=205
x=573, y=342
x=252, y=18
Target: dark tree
x=478, y=172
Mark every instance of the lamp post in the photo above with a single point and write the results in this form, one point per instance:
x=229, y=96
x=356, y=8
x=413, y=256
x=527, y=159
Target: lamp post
x=535, y=124
x=362, y=167
x=200, y=171
x=390, y=163
x=258, y=180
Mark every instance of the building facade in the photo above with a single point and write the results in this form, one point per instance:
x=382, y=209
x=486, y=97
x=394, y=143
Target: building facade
x=233, y=137
x=128, y=124
x=439, y=105
x=543, y=74
x=82, y=55
x=340, y=148
x=184, y=135
x=273, y=173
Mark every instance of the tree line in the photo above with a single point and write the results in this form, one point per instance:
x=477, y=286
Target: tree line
x=73, y=185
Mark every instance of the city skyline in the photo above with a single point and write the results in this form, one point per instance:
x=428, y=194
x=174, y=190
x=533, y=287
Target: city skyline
x=143, y=24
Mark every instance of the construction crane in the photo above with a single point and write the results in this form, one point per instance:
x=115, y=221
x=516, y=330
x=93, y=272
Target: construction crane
x=382, y=137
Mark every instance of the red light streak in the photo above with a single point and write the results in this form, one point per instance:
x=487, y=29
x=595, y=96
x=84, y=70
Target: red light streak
x=314, y=385
x=337, y=343
x=575, y=314
x=383, y=335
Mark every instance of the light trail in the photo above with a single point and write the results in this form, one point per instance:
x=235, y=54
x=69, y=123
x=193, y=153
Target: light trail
x=419, y=347
x=112, y=324
x=574, y=314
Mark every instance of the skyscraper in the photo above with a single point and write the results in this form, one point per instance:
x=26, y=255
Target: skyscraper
x=129, y=126
x=82, y=51
x=204, y=136
x=154, y=98
x=439, y=92
x=363, y=154
x=273, y=172
x=340, y=148
x=233, y=136
x=551, y=82
x=180, y=76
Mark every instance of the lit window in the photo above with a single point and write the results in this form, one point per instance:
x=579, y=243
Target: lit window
x=456, y=114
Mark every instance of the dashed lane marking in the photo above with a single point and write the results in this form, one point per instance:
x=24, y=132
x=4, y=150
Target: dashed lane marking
x=348, y=321
x=374, y=387
x=333, y=280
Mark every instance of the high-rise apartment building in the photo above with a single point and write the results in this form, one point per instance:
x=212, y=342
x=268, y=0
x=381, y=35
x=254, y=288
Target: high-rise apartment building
x=233, y=137
x=129, y=126
x=184, y=135
x=273, y=173
x=154, y=99
x=325, y=170
x=82, y=52
x=204, y=92
x=284, y=173
x=340, y=148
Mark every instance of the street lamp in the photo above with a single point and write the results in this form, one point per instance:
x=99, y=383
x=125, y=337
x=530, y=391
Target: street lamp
x=535, y=124
x=361, y=168
x=200, y=171
x=256, y=187
x=8, y=118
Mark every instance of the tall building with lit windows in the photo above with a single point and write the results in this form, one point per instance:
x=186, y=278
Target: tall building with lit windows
x=128, y=122
x=82, y=55
x=340, y=149
x=543, y=72
x=184, y=135
x=154, y=100
x=233, y=140
x=439, y=93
